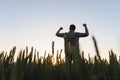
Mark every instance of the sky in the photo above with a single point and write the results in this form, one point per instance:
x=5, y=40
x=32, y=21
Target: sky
x=35, y=22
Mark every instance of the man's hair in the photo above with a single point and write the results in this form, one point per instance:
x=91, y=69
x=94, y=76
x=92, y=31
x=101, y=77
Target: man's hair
x=72, y=27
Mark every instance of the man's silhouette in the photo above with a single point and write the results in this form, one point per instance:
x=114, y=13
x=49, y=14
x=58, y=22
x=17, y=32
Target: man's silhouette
x=71, y=40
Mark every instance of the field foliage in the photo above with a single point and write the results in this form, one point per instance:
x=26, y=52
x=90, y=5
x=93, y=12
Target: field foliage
x=30, y=66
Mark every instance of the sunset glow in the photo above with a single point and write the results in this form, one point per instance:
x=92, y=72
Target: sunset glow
x=34, y=23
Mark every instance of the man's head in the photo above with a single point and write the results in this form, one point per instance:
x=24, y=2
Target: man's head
x=72, y=27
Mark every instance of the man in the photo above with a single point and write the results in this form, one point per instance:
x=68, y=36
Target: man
x=71, y=39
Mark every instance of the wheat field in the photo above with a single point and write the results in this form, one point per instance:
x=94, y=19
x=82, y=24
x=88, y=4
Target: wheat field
x=30, y=66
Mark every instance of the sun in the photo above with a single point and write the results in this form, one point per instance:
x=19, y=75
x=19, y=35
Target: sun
x=54, y=63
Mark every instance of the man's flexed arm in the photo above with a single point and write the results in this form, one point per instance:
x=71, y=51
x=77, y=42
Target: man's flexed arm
x=58, y=32
x=86, y=33
x=86, y=29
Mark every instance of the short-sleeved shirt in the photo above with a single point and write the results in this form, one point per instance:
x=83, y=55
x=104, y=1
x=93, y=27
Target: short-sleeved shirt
x=71, y=39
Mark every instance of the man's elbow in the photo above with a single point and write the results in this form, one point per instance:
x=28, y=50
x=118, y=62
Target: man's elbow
x=87, y=34
x=57, y=34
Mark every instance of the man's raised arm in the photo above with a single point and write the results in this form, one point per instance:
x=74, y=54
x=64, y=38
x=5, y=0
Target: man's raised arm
x=86, y=33
x=86, y=29
x=60, y=34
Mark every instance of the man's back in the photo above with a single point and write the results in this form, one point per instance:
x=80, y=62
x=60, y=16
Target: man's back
x=71, y=38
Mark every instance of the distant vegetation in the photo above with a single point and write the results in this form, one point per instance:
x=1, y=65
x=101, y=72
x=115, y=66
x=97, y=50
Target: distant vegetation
x=30, y=66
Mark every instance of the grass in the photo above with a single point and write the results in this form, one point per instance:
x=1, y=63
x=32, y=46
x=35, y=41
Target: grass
x=30, y=66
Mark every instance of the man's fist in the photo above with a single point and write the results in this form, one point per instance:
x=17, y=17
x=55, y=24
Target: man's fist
x=85, y=25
